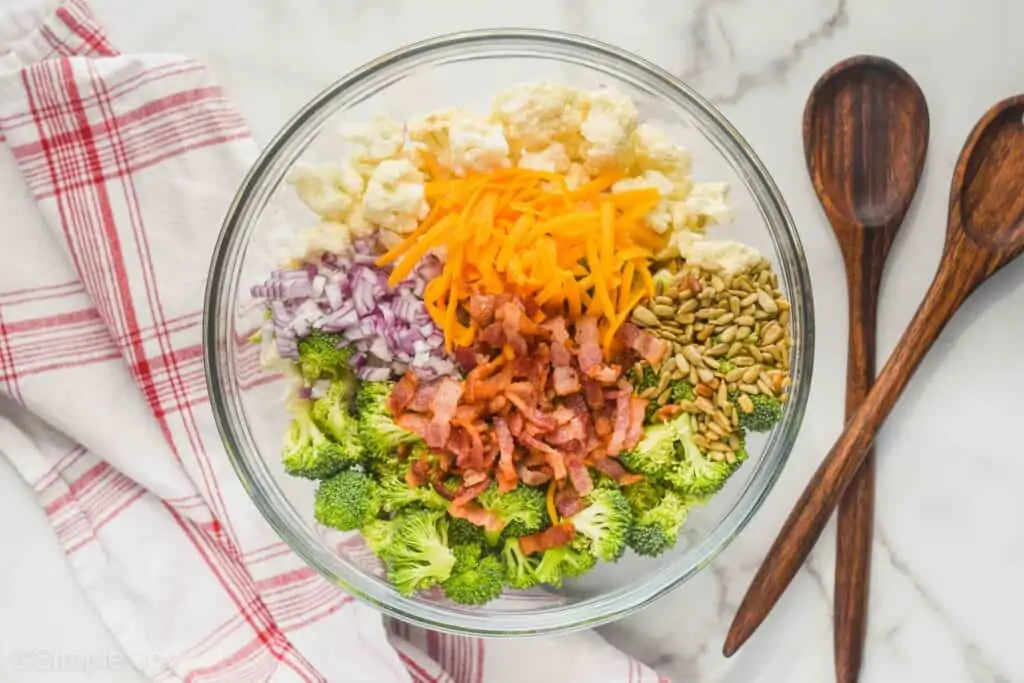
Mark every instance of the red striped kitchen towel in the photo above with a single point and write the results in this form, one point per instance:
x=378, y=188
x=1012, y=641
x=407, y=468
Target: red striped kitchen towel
x=114, y=177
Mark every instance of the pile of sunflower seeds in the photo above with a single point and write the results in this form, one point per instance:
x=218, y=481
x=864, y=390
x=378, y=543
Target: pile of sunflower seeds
x=730, y=336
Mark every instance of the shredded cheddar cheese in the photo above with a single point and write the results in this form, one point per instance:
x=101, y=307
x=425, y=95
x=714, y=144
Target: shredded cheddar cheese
x=522, y=232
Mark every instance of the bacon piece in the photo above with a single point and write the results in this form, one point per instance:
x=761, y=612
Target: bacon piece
x=589, y=355
x=635, y=431
x=470, y=492
x=610, y=466
x=511, y=317
x=481, y=308
x=669, y=411
x=573, y=430
x=531, y=414
x=556, y=327
x=579, y=476
x=605, y=374
x=567, y=502
x=420, y=401
x=554, y=458
x=466, y=358
x=540, y=366
x=560, y=356
x=621, y=423
x=507, y=480
x=446, y=400
x=515, y=424
x=650, y=348
x=442, y=489
x=533, y=477
x=593, y=394
x=413, y=422
x=493, y=335
x=418, y=473
x=473, y=477
x=565, y=380
x=402, y=393
x=553, y=537
x=476, y=514
x=497, y=404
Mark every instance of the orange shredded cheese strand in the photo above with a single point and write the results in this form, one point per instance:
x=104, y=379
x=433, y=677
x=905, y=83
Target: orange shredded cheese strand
x=550, y=499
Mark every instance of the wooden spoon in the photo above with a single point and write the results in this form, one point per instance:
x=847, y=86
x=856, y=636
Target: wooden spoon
x=985, y=232
x=865, y=138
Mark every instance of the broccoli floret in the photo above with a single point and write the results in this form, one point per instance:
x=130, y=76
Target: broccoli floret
x=643, y=377
x=378, y=535
x=767, y=411
x=605, y=522
x=656, y=530
x=308, y=452
x=520, y=569
x=463, y=532
x=466, y=555
x=696, y=473
x=330, y=413
x=346, y=501
x=381, y=436
x=474, y=580
x=419, y=556
x=565, y=562
x=524, y=511
x=322, y=355
x=396, y=494
x=726, y=366
x=681, y=390
x=644, y=495
x=655, y=452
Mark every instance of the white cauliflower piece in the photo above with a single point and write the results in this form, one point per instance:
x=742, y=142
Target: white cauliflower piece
x=477, y=145
x=381, y=138
x=726, y=256
x=660, y=217
x=430, y=133
x=653, y=151
x=395, y=197
x=326, y=237
x=708, y=204
x=536, y=114
x=330, y=190
x=576, y=176
x=607, y=129
x=553, y=159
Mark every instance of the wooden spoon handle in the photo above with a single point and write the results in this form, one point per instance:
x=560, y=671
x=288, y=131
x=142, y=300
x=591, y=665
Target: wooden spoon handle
x=962, y=270
x=857, y=506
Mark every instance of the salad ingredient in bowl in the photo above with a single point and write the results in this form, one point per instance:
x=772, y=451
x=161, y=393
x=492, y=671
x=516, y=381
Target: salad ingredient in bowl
x=515, y=352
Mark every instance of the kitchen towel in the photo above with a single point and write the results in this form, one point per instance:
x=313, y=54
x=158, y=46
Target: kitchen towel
x=116, y=172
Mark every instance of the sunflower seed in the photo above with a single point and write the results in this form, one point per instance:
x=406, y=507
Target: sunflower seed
x=688, y=306
x=748, y=388
x=663, y=397
x=730, y=457
x=728, y=335
x=662, y=384
x=766, y=302
x=764, y=388
x=709, y=313
x=645, y=317
x=734, y=442
x=669, y=365
x=784, y=318
x=685, y=293
x=742, y=361
x=755, y=353
x=711, y=362
x=742, y=333
x=705, y=375
x=734, y=375
x=715, y=429
x=718, y=450
x=663, y=310
x=677, y=348
x=734, y=305
x=751, y=374
x=723, y=395
x=685, y=318
x=782, y=304
x=772, y=334
x=744, y=320
x=734, y=350
x=749, y=300
x=718, y=283
x=680, y=359
x=705, y=405
x=762, y=315
x=704, y=390
x=691, y=354
x=659, y=287
x=718, y=350
x=701, y=442
x=693, y=378
x=724, y=320
x=743, y=284
x=648, y=392
x=663, y=299
x=687, y=406
x=705, y=334
x=722, y=421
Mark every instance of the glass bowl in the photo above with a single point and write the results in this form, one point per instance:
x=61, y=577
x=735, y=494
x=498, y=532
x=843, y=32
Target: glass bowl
x=466, y=70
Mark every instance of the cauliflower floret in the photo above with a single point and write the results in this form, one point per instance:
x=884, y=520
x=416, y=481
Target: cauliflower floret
x=430, y=134
x=381, y=138
x=330, y=190
x=326, y=237
x=660, y=217
x=708, y=204
x=395, y=197
x=576, y=176
x=726, y=256
x=553, y=159
x=610, y=122
x=477, y=145
x=536, y=114
x=653, y=151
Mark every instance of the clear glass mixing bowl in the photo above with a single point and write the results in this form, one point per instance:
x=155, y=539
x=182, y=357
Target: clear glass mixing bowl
x=466, y=70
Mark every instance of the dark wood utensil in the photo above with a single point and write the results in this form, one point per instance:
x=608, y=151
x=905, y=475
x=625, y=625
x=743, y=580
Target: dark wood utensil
x=865, y=138
x=985, y=232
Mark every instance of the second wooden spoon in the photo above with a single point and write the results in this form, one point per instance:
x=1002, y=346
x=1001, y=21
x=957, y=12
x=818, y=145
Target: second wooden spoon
x=865, y=138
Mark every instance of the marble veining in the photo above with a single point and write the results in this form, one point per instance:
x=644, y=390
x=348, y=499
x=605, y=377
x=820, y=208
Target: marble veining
x=945, y=594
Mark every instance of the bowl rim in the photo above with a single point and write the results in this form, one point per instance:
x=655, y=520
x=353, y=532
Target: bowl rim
x=792, y=266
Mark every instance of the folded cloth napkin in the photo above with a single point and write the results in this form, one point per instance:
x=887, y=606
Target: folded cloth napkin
x=114, y=177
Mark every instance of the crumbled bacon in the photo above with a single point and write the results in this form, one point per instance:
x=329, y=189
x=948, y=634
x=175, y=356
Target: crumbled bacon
x=539, y=402
x=403, y=392
x=552, y=537
x=650, y=348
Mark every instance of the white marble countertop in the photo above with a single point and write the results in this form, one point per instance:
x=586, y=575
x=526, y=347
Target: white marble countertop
x=945, y=604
